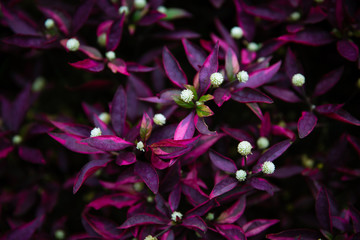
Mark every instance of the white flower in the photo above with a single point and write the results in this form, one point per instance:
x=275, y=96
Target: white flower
x=295, y=16
x=159, y=119
x=243, y=76
x=253, y=47
x=49, y=23
x=17, y=139
x=72, y=44
x=110, y=55
x=298, y=80
x=102, y=39
x=262, y=142
x=216, y=79
x=149, y=237
x=162, y=9
x=140, y=146
x=105, y=117
x=187, y=95
x=95, y=132
x=139, y=4
x=123, y=9
x=176, y=216
x=236, y=32
x=240, y=175
x=268, y=167
x=38, y=84
x=244, y=148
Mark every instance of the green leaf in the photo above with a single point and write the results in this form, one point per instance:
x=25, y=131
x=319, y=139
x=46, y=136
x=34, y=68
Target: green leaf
x=146, y=127
x=175, y=13
x=204, y=111
x=192, y=88
x=181, y=103
x=206, y=98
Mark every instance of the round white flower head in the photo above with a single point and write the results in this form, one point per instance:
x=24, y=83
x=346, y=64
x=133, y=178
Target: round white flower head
x=176, y=216
x=268, y=167
x=110, y=55
x=262, y=142
x=216, y=79
x=102, y=39
x=162, y=9
x=72, y=44
x=298, y=80
x=95, y=132
x=210, y=216
x=105, y=117
x=295, y=16
x=253, y=47
x=49, y=23
x=17, y=139
x=242, y=76
x=159, y=119
x=237, y=32
x=138, y=186
x=150, y=199
x=187, y=95
x=240, y=175
x=139, y=4
x=140, y=146
x=38, y=84
x=123, y=9
x=59, y=234
x=149, y=237
x=244, y=148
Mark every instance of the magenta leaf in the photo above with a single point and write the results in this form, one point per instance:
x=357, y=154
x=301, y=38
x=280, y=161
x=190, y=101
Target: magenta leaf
x=89, y=64
x=118, y=66
x=303, y=234
x=231, y=232
x=170, y=148
x=209, y=67
x=142, y=219
x=173, y=69
x=26, y=41
x=257, y=226
x=73, y=128
x=222, y=162
x=107, y=143
x=186, y=128
x=145, y=127
x=118, y=111
x=195, y=55
x=223, y=186
x=148, y=174
x=194, y=222
x=91, y=52
x=5, y=147
x=254, y=107
x=312, y=37
x=32, y=155
x=275, y=151
x=115, y=32
x=355, y=217
x=151, y=18
x=238, y=134
x=261, y=77
x=306, y=123
x=125, y=158
x=232, y=66
x=348, y=49
x=177, y=35
x=322, y=207
x=82, y=14
x=174, y=197
x=202, y=127
x=328, y=81
x=61, y=18
x=106, y=228
x=336, y=112
x=221, y=95
x=263, y=185
x=25, y=231
x=233, y=213
x=292, y=65
x=248, y=95
x=245, y=20
x=118, y=200
x=226, y=36
x=283, y=94
x=87, y=170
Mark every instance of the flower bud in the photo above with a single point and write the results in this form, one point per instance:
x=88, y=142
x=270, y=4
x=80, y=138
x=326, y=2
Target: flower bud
x=102, y=39
x=159, y=119
x=59, y=234
x=187, y=95
x=236, y=32
x=244, y=148
x=38, y=84
x=123, y=9
x=262, y=143
x=240, y=175
x=216, y=79
x=298, y=80
x=95, y=132
x=49, y=23
x=105, y=117
x=268, y=167
x=253, y=47
x=110, y=55
x=140, y=146
x=242, y=76
x=295, y=16
x=162, y=9
x=72, y=44
x=138, y=186
x=17, y=139
x=139, y=4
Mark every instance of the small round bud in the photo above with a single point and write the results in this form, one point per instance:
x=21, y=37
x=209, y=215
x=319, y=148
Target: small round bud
x=210, y=216
x=38, y=84
x=139, y=4
x=140, y=146
x=95, y=132
x=102, y=39
x=159, y=119
x=295, y=16
x=72, y=44
x=216, y=79
x=262, y=143
x=187, y=95
x=268, y=167
x=244, y=148
x=240, y=175
x=319, y=1
x=298, y=80
x=162, y=9
x=123, y=9
x=17, y=139
x=138, y=186
x=236, y=32
x=110, y=55
x=49, y=23
x=149, y=237
x=59, y=234
x=105, y=117
x=243, y=76
x=150, y=199
x=253, y=47
x=176, y=216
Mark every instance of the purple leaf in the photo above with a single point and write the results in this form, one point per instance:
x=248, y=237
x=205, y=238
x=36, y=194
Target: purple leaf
x=225, y=33
x=115, y=32
x=194, y=222
x=5, y=147
x=283, y=94
x=355, y=218
x=233, y=213
x=150, y=18
x=254, y=107
x=336, y=112
x=148, y=174
x=118, y=200
x=270, y=14
x=355, y=142
x=62, y=19
x=263, y=185
x=173, y=69
x=174, y=197
x=328, y=81
x=104, y=227
x=202, y=127
x=107, y=143
x=28, y=41
x=87, y=170
x=118, y=111
x=135, y=67
x=217, y=3
x=222, y=162
x=261, y=77
x=82, y=14
x=73, y=128
x=125, y=158
x=248, y=95
x=209, y=67
x=91, y=52
x=186, y=128
x=195, y=55
x=169, y=148
x=348, y=49
x=322, y=207
x=118, y=66
x=292, y=65
x=32, y=155
x=231, y=232
x=25, y=231
x=238, y=134
x=287, y=171
x=202, y=146
x=221, y=95
x=303, y=234
x=89, y=64
x=142, y=219
x=19, y=22
x=275, y=151
x=177, y=35
x=312, y=37
x=244, y=20
x=223, y=186
x=306, y=123
x=257, y=226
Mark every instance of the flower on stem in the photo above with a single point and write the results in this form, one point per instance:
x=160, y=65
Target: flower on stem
x=240, y=175
x=187, y=95
x=236, y=32
x=176, y=216
x=110, y=55
x=244, y=148
x=243, y=76
x=159, y=119
x=105, y=117
x=95, y=132
x=268, y=167
x=262, y=143
x=49, y=23
x=298, y=80
x=140, y=146
x=216, y=79
x=72, y=44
